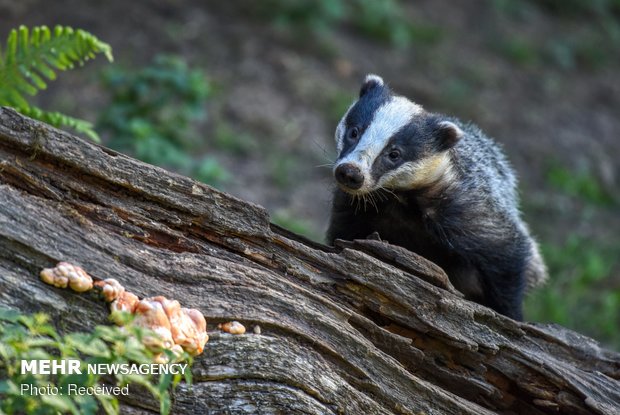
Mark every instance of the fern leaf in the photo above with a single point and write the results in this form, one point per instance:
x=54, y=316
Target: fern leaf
x=58, y=119
x=33, y=57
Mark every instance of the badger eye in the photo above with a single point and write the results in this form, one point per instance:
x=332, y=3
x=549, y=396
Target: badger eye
x=353, y=133
x=394, y=155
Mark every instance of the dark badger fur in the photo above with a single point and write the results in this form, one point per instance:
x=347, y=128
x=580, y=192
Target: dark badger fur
x=437, y=187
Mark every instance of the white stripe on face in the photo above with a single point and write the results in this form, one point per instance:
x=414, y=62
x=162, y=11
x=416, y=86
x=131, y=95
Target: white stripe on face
x=341, y=129
x=387, y=121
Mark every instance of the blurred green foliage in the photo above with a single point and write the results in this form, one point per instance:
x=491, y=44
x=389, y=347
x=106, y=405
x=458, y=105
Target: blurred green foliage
x=581, y=184
x=386, y=21
x=519, y=50
x=579, y=294
x=383, y=20
x=286, y=219
x=319, y=15
x=227, y=138
x=455, y=93
x=281, y=169
x=31, y=337
x=580, y=7
x=210, y=171
x=153, y=115
x=567, y=53
x=336, y=103
x=152, y=110
x=590, y=41
x=582, y=292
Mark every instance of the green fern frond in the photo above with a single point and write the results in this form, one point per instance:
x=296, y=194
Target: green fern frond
x=59, y=119
x=33, y=57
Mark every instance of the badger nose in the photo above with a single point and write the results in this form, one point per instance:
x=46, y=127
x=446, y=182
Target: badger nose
x=349, y=175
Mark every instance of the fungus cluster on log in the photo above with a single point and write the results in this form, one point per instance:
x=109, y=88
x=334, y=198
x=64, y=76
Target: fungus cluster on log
x=174, y=328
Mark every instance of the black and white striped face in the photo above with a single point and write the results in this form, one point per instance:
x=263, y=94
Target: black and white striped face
x=387, y=141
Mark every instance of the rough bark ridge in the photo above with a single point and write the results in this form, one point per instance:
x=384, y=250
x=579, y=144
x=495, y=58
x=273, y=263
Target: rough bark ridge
x=363, y=328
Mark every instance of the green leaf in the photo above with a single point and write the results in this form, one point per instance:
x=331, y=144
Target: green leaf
x=164, y=404
x=61, y=402
x=58, y=119
x=40, y=342
x=31, y=56
x=18, y=342
x=88, y=345
x=109, y=404
x=189, y=377
x=36, y=353
x=8, y=387
x=164, y=382
x=8, y=314
x=87, y=404
x=82, y=379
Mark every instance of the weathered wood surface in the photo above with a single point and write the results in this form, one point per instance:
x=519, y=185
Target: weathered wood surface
x=363, y=328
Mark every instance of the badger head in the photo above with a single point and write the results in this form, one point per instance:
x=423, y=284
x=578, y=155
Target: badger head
x=385, y=141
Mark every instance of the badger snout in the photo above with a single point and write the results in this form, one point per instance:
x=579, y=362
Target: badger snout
x=349, y=176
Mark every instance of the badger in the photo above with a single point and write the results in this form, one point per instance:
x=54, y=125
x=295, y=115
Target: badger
x=435, y=186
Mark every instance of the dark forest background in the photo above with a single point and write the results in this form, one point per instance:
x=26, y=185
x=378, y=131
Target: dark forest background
x=245, y=95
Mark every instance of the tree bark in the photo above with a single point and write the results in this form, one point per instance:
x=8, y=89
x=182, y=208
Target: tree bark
x=362, y=328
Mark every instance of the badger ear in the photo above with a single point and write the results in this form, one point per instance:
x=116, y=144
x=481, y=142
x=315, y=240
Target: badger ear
x=370, y=82
x=447, y=134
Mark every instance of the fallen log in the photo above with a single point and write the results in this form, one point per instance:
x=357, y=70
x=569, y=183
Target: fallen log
x=360, y=328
